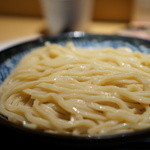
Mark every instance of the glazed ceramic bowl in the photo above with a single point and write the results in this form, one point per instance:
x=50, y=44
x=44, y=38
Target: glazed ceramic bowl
x=10, y=57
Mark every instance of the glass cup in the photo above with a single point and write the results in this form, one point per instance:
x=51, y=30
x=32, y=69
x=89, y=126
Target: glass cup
x=66, y=15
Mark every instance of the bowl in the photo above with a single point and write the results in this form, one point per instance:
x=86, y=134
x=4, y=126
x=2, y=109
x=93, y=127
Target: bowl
x=10, y=131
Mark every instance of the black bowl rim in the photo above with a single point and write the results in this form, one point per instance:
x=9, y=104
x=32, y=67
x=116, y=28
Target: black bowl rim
x=72, y=36
x=129, y=135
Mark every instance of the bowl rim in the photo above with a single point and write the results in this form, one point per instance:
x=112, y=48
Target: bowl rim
x=82, y=35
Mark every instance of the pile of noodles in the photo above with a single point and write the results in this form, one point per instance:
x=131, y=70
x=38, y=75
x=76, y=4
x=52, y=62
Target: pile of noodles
x=73, y=90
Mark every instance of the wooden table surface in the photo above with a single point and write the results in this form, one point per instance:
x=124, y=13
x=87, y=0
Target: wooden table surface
x=12, y=27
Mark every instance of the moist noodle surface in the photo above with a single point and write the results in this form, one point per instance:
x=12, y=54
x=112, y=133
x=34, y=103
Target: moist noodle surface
x=71, y=90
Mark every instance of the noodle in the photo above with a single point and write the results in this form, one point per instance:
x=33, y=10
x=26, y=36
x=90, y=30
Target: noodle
x=72, y=90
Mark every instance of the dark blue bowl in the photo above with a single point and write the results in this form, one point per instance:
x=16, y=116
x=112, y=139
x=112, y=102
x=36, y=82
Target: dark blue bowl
x=10, y=57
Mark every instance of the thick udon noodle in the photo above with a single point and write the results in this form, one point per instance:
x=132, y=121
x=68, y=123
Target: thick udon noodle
x=72, y=90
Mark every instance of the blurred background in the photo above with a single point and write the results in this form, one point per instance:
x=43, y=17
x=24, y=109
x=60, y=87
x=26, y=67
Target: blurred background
x=28, y=19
